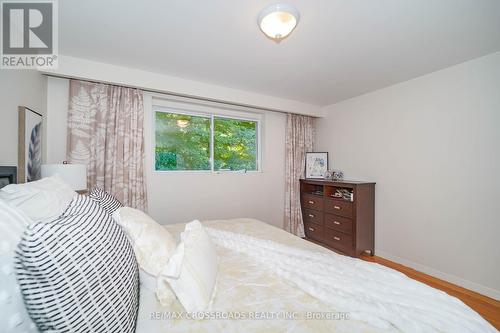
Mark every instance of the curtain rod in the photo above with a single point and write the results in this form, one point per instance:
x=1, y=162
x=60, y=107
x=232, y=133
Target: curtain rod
x=194, y=98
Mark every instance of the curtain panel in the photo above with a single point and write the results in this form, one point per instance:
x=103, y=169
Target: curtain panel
x=106, y=133
x=299, y=140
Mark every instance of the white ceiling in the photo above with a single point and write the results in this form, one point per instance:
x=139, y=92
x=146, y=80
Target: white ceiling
x=340, y=49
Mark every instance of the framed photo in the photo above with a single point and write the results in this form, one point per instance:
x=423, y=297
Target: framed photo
x=316, y=165
x=29, y=155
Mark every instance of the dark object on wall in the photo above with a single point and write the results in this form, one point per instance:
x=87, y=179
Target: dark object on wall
x=29, y=145
x=338, y=223
x=316, y=165
x=8, y=175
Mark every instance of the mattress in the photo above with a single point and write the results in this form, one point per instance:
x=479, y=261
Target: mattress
x=248, y=297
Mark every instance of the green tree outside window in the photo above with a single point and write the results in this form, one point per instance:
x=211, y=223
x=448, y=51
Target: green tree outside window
x=183, y=143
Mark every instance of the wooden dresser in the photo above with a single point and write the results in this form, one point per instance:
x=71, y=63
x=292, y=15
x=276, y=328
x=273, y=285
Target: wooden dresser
x=339, y=214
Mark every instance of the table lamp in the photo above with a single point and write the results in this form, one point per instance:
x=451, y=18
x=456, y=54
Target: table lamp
x=75, y=175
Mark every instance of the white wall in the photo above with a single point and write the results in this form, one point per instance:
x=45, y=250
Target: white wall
x=97, y=71
x=18, y=88
x=181, y=197
x=432, y=144
x=57, y=118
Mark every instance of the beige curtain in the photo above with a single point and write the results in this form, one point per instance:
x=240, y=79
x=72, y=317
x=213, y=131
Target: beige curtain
x=106, y=132
x=299, y=140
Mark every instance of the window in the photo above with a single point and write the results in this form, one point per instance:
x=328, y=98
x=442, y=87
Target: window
x=196, y=142
x=182, y=142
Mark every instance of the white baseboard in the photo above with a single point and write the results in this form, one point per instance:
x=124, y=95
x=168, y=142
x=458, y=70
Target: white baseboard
x=487, y=291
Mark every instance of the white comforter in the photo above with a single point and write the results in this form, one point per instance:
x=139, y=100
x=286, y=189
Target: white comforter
x=380, y=296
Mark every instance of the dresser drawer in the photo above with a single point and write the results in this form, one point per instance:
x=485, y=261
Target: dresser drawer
x=338, y=207
x=314, y=231
x=338, y=240
x=338, y=223
x=312, y=202
x=313, y=216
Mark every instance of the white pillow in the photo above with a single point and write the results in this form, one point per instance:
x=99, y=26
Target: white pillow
x=15, y=317
x=192, y=269
x=150, y=285
x=148, y=305
x=153, y=246
x=41, y=200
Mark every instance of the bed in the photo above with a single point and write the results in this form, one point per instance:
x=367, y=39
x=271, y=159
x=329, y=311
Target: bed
x=260, y=278
x=245, y=288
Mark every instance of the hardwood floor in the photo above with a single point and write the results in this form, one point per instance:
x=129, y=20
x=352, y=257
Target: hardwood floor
x=485, y=306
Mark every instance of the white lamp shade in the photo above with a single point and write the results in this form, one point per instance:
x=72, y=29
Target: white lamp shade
x=75, y=175
x=277, y=21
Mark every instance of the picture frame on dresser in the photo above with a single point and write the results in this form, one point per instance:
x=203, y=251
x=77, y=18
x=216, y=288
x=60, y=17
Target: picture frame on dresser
x=8, y=175
x=316, y=165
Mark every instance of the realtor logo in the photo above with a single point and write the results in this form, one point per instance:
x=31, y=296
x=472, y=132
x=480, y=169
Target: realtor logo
x=29, y=34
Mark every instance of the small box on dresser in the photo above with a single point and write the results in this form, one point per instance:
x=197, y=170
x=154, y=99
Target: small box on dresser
x=339, y=214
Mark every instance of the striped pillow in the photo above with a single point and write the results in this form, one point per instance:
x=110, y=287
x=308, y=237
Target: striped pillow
x=105, y=200
x=79, y=272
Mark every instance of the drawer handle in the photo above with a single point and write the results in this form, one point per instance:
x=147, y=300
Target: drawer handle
x=336, y=222
x=311, y=229
x=336, y=238
x=311, y=202
x=311, y=215
x=337, y=207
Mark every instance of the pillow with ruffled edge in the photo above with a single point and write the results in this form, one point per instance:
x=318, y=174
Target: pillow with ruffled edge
x=192, y=270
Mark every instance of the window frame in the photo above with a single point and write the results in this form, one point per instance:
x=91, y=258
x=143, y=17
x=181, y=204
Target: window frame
x=212, y=114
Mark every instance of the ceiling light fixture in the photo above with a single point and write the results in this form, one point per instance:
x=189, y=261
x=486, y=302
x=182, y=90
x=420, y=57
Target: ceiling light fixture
x=278, y=21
